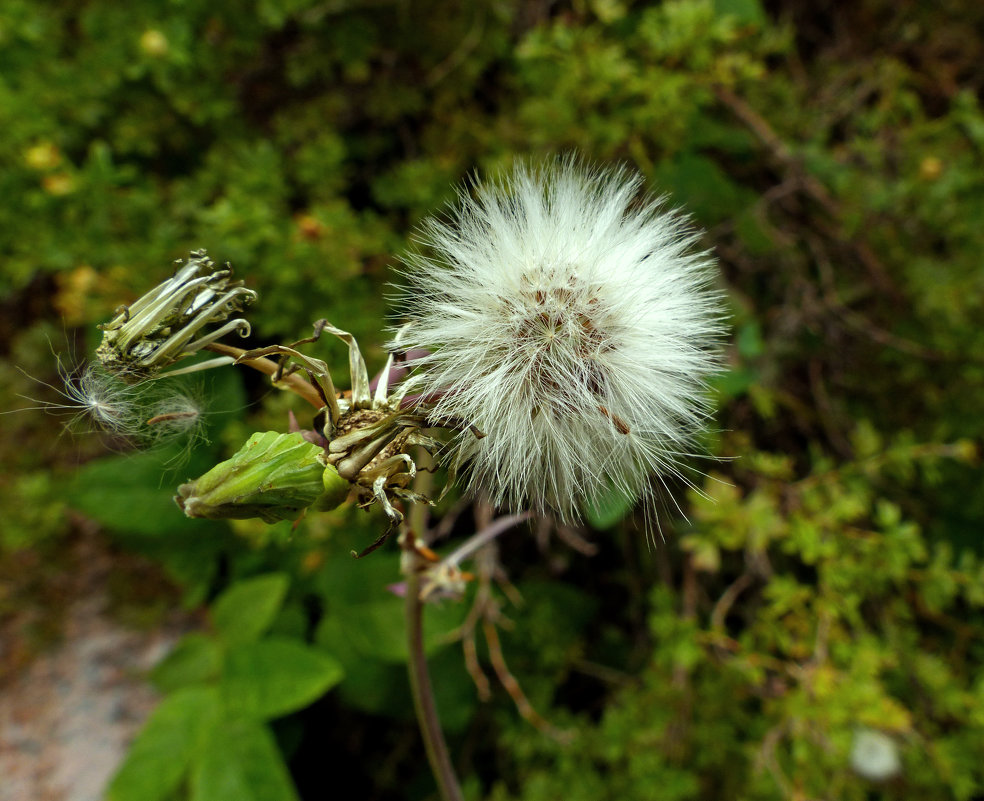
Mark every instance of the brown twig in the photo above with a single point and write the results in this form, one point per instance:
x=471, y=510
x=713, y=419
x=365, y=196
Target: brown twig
x=811, y=186
x=779, y=149
x=511, y=686
x=688, y=611
x=728, y=598
x=832, y=300
x=825, y=410
x=472, y=665
x=485, y=612
x=295, y=383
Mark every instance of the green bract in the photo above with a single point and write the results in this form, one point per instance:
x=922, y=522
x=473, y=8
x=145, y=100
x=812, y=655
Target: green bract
x=273, y=477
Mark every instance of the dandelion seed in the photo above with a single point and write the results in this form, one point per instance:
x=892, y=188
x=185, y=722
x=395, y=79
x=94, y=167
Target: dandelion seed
x=172, y=414
x=173, y=417
x=93, y=399
x=146, y=415
x=568, y=318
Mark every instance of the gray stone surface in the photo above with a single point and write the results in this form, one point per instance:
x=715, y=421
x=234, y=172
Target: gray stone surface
x=66, y=721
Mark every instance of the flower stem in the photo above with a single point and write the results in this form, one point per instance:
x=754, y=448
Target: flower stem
x=423, y=695
x=294, y=382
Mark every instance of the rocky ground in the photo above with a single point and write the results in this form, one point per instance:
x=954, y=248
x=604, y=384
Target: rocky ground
x=68, y=716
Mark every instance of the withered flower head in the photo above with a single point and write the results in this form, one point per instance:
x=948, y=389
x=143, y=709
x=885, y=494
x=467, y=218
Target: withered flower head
x=167, y=323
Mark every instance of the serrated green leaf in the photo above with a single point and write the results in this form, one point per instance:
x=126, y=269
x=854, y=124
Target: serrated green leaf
x=162, y=753
x=247, y=609
x=239, y=761
x=275, y=676
x=195, y=659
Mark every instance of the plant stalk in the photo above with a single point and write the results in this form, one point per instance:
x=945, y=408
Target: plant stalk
x=423, y=694
x=294, y=382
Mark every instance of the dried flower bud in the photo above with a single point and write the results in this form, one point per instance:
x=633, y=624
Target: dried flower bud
x=165, y=324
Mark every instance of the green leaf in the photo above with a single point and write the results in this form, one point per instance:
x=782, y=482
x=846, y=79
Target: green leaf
x=273, y=677
x=699, y=184
x=163, y=751
x=196, y=659
x=125, y=493
x=239, y=761
x=733, y=383
x=744, y=11
x=376, y=687
x=748, y=338
x=454, y=690
x=366, y=618
x=247, y=609
x=379, y=686
x=607, y=510
x=375, y=629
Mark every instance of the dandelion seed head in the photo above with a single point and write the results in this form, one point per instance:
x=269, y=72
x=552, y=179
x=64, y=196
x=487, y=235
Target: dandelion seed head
x=571, y=320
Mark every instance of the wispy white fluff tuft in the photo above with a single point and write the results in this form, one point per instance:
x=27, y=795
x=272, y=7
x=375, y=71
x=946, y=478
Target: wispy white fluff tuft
x=146, y=414
x=570, y=320
x=93, y=399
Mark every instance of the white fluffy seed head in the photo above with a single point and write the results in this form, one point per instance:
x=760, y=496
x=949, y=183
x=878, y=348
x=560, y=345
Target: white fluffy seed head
x=570, y=320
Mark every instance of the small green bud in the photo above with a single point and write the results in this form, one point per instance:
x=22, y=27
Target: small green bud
x=336, y=489
x=273, y=477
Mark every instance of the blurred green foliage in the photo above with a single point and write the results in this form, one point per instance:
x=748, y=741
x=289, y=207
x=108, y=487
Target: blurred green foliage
x=827, y=579
x=207, y=733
